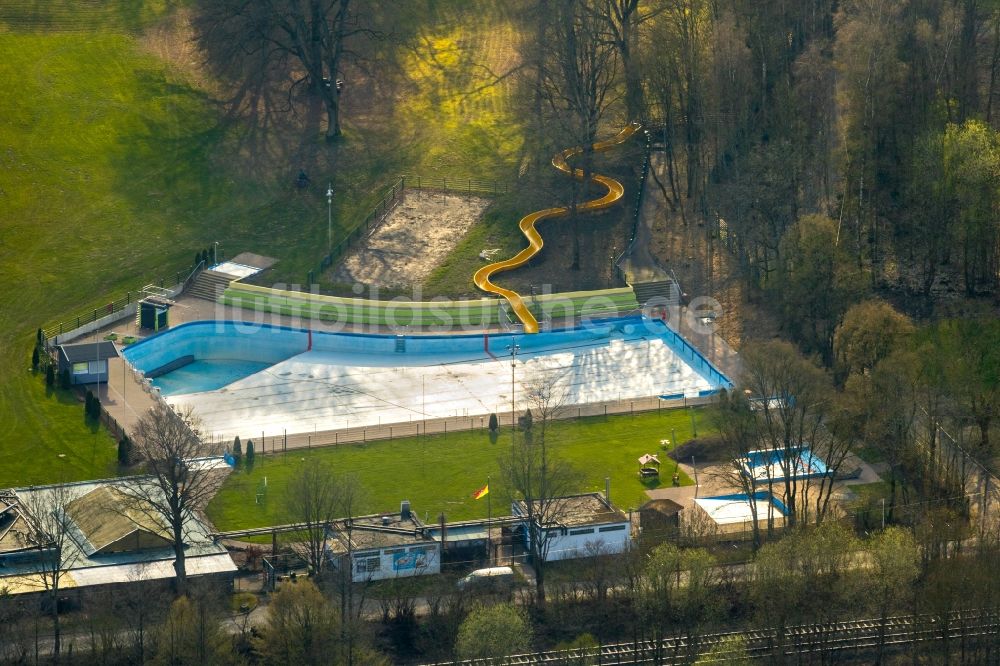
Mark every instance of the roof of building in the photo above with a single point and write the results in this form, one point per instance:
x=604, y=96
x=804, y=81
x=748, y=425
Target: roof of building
x=379, y=531
x=203, y=554
x=88, y=351
x=105, y=516
x=586, y=509
x=13, y=527
x=667, y=507
x=736, y=508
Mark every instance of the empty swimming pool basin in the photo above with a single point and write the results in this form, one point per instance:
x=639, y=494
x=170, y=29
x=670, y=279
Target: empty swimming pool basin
x=252, y=379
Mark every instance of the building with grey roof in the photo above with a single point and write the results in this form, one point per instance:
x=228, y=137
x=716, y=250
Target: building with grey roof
x=86, y=362
x=384, y=546
x=578, y=526
x=111, y=542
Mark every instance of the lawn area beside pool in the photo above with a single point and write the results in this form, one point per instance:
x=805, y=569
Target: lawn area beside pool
x=439, y=473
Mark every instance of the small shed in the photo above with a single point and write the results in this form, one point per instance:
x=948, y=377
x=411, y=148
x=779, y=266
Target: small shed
x=659, y=519
x=86, y=362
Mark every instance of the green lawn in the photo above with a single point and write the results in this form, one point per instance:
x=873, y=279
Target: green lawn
x=116, y=167
x=439, y=474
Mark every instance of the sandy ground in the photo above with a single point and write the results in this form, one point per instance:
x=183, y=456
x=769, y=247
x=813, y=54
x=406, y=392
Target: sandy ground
x=415, y=238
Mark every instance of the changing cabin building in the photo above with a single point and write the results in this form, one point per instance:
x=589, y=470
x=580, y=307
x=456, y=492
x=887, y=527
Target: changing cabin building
x=86, y=362
x=579, y=526
x=384, y=546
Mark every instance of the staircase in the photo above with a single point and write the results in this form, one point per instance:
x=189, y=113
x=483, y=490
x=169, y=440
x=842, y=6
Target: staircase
x=665, y=293
x=209, y=285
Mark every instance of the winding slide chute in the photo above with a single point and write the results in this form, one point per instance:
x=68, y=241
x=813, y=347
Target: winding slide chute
x=535, y=243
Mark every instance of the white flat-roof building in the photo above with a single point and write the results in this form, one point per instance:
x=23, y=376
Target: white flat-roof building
x=581, y=526
x=729, y=514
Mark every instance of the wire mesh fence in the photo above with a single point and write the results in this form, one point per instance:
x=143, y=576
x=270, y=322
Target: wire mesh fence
x=285, y=441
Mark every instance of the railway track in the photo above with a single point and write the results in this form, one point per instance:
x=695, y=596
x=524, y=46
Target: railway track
x=856, y=636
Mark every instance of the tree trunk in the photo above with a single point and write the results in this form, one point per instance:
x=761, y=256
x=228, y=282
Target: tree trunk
x=180, y=569
x=332, y=114
x=56, y=629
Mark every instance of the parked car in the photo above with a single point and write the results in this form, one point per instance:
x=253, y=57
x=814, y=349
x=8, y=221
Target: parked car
x=489, y=578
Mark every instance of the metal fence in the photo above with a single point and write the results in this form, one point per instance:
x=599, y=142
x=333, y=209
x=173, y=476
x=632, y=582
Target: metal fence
x=279, y=443
x=392, y=198
x=116, y=305
x=384, y=206
x=637, y=210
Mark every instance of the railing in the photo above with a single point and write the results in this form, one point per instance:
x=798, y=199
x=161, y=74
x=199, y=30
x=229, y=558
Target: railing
x=392, y=198
x=375, y=216
x=619, y=272
x=114, y=306
x=640, y=191
x=273, y=443
x=467, y=186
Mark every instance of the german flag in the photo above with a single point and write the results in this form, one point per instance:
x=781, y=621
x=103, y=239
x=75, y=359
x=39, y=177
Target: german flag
x=482, y=492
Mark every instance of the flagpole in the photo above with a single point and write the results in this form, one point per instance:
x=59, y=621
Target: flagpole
x=489, y=518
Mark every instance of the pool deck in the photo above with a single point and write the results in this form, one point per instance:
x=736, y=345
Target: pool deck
x=189, y=309
x=124, y=397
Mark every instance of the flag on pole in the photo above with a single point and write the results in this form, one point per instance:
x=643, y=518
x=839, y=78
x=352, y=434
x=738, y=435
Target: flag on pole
x=482, y=492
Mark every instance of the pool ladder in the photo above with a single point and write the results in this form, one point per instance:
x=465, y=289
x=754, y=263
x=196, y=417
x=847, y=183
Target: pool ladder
x=400, y=344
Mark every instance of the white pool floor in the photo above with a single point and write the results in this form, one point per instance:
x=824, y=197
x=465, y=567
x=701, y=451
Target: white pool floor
x=329, y=391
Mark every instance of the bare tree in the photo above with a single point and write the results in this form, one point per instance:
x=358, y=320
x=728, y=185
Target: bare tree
x=176, y=484
x=306, y=38
x=317, y=497
x=622, y=20
x=51, y=530
x=579, y=83
x=792, y=398
x=538, y=479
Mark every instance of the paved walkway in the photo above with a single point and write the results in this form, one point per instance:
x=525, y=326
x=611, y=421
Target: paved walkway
x=639, y=265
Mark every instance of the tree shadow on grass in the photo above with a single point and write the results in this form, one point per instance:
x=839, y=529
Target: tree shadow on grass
x=74, y=16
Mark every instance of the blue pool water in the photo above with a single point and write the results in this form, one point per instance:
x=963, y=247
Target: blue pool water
x=804, y=464
x=207, y=375
x=226, y=351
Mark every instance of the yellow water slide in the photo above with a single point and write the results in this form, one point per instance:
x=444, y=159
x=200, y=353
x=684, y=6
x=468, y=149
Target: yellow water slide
x=527, y=225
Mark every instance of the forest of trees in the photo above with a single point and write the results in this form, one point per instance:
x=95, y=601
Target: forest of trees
x=846, y=154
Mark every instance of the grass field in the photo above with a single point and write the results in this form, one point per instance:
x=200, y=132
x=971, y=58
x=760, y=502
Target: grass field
x=116, y=167
x=439, y=474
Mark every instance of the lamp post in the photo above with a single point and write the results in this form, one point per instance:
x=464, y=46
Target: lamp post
x=514, y=349
x=215, y=253
x=329, y=218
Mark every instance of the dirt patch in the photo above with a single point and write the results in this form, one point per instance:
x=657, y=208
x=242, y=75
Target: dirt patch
x=703, y=450
x=415, y=238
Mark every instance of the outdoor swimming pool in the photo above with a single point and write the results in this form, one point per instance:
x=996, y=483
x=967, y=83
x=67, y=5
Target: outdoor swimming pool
x=766, y=464
x=251, y=379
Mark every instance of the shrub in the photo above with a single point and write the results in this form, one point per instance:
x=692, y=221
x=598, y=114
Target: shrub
x=494, y=422
x=250, y=452
x=88, y=404
x=237, y=448
x=34, y=358
x=124, y=451
x=50, y=375
x=64, y=380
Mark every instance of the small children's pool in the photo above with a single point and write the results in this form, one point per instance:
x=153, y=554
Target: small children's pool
x=201, y=376
x=767, y=464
